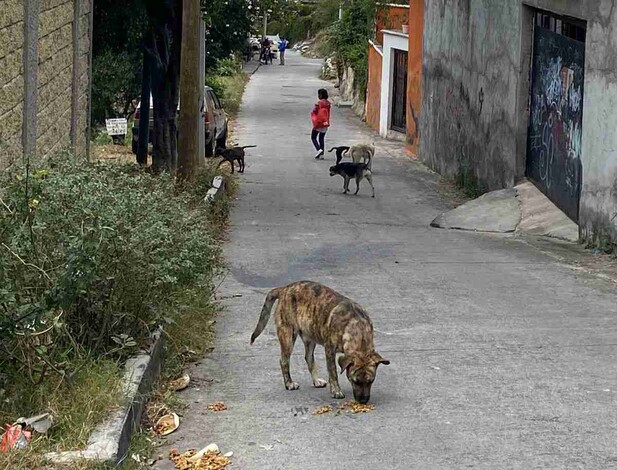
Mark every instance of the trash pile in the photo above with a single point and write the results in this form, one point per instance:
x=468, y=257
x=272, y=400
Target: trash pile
x=208, y=458
x=19, y=434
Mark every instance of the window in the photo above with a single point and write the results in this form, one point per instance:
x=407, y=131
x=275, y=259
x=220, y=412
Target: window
x=566, y=26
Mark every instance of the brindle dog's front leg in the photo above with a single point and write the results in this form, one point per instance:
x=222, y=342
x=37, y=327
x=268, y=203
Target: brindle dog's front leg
x=335, y=389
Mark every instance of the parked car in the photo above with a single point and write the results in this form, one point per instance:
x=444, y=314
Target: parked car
x=215, y=123
x=274, y=44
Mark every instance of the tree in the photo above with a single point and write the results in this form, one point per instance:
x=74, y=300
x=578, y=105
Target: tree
x=228, y=24
x=162, y=44
x=117, y=56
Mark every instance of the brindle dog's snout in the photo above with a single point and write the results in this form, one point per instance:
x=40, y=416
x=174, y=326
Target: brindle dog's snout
x=363, y=399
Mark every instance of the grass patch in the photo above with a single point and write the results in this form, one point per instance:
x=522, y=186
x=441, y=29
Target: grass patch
x=77, y=409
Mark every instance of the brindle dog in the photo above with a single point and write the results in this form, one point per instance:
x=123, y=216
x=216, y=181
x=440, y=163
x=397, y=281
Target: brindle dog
x=232, y=154
x=322, y=316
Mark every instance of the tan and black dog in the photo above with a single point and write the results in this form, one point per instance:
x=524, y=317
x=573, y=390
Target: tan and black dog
x=362, y=153
x=322, y=316
x=349, y=170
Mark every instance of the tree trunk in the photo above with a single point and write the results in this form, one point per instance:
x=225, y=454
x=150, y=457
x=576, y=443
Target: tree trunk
x=190, y=90
x=166, y=22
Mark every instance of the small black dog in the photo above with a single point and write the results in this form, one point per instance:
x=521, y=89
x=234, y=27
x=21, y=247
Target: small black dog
x=350, y=170
x=340, y=151
x=232, y=154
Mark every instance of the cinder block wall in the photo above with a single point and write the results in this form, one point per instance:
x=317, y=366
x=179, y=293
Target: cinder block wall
x=11, y=79
x=44, y=77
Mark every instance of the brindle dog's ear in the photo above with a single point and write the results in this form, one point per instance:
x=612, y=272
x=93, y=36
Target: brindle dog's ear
x=345, y=362
x=380, y=360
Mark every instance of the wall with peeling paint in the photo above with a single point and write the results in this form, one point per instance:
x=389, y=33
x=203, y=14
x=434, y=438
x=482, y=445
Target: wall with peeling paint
x=475, y=105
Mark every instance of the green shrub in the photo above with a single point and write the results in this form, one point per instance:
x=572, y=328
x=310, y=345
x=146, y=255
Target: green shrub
x=227, y=67
x=92, y=255
x=350, y=39
x=217, y=84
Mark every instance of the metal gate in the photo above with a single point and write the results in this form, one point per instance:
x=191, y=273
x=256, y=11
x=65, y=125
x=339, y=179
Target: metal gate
x=399, y=91
x=556, y=116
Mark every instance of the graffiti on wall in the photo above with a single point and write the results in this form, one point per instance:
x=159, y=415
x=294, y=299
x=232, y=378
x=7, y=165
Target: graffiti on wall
x=556, y=118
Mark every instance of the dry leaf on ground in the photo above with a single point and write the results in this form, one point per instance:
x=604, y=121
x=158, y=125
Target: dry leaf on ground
x=322, y=410
x=206, y=462
x=217, y=406
x=167, y=424
x=355, y=407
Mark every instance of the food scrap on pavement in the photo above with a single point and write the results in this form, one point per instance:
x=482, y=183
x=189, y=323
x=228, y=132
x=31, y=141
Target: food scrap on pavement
x=322, y=410
x=355, y=407
x=217, y=406
x=206, y=461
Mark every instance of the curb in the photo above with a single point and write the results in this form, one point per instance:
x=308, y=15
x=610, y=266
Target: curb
x=109, y=442
x=218, y=186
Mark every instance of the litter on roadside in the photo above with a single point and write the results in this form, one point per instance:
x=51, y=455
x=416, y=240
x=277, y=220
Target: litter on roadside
x=167, y=424
x=14, y=437
x=19, y=434
x=202, y=460
x=180, y=383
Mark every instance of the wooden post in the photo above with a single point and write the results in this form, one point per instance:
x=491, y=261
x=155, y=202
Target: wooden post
x=188, y=141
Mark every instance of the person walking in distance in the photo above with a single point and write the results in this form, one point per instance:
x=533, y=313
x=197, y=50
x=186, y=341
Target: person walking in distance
x=320, y=116
x=282, y=48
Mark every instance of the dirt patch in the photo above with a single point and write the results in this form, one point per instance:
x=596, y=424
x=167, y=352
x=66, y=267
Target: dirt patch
x=113, y=153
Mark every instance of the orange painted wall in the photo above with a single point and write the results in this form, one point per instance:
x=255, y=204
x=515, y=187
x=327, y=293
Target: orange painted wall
x=414, y=74
x=373, y=89
x=390, y=17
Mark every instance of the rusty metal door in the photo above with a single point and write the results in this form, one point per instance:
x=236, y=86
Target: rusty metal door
x=556, y=118
x=399, y=91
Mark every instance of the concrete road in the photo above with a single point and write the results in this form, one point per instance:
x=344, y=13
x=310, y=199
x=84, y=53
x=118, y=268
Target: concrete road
x=501, y=357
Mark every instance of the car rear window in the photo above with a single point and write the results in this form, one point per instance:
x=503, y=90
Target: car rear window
x=215, y=99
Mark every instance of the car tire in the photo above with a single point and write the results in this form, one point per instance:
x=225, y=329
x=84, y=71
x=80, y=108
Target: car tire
x=222, y=141
x=211, y=147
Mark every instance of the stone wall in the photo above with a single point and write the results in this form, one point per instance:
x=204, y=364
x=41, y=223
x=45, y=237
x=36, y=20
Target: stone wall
x=475, y=106
x=45, y=76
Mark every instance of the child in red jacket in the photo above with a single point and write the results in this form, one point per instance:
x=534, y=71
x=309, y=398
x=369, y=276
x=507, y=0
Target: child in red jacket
x=320, y=116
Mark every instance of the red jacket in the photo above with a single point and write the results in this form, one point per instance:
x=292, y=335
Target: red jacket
x=320, y=115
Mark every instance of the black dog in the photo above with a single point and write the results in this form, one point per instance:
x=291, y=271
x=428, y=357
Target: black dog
x=232, y=154
x=340, y=151
x=350, y=170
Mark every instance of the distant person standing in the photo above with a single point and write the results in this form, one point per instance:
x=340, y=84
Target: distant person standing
x=265, y=50
x=282, y=48
x=320, y=117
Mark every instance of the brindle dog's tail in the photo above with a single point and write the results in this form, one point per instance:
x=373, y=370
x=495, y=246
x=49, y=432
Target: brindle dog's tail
x=248, y=147
x=272, y=297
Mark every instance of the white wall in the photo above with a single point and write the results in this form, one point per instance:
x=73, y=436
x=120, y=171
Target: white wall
x=391, y=40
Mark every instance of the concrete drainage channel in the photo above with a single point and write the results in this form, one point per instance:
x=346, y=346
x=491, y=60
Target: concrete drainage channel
x=109, y=443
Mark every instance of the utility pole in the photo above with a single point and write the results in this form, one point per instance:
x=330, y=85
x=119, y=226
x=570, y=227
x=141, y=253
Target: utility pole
x=265, y=23
x=190, y=115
